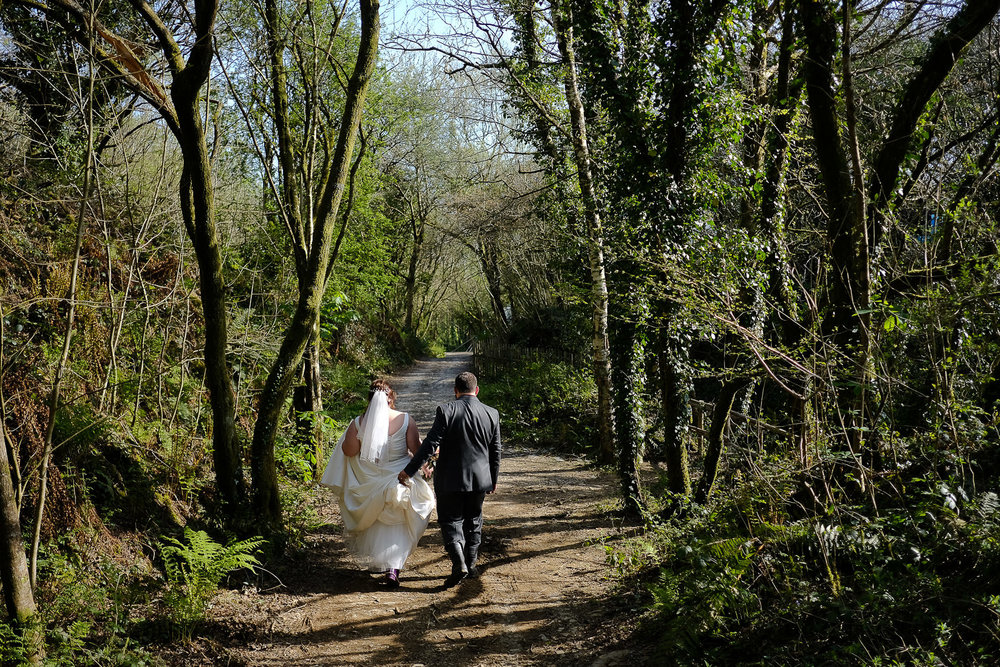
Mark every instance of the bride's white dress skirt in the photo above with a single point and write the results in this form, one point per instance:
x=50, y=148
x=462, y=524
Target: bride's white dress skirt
x=383, y=519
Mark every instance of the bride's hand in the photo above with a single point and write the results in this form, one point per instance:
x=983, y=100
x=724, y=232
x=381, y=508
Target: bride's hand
x=403, y=478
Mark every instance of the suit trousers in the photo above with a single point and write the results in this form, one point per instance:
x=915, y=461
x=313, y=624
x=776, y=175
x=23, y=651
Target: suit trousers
x=460, y=515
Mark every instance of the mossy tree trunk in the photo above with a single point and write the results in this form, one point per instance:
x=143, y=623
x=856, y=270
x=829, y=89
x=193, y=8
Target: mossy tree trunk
x=312, y=280
x=14, y=574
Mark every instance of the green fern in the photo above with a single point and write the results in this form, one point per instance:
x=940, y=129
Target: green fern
x=194, y=571
x=11, y=646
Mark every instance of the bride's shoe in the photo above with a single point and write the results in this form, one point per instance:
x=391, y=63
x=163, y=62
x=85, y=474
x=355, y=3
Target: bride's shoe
x=392, y=578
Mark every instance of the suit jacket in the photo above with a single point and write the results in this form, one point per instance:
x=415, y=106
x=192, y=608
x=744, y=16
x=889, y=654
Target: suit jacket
x=468, y=434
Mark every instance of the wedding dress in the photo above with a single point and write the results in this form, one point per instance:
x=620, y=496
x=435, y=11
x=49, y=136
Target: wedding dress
x=383, y=519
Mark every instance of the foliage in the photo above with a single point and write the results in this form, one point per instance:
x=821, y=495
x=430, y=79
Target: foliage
x=748, y=579
x=11, y=646
x=545, y=403
x=93, y=602
x=194, y=571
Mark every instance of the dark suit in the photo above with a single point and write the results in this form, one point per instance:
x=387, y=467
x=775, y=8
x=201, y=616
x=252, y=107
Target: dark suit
x=466, y=433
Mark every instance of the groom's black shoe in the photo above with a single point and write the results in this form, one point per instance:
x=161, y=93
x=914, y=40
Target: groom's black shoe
x=471, y=554
x=459, y=571
x=455, y=578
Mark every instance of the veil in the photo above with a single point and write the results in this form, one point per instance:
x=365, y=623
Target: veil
x=375, y=427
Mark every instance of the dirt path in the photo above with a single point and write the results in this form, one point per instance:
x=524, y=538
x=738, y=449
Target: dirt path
x=542, y=599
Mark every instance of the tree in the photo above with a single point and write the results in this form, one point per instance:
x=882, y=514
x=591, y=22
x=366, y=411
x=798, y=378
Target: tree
x=14, y=574
x=314, y=243
x=181, y=112
x=857, y=212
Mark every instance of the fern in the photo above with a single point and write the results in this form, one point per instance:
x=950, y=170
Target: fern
x=11, y=646
x=194, y=571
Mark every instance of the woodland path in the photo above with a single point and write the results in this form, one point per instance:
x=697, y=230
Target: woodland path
x=543, y=597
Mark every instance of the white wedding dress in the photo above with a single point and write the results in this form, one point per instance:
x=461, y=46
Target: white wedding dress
x=383, y=519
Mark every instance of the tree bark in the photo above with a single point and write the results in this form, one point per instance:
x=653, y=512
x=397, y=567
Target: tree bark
x=716, y=437
x=198, y=211
x=848, y=292
x=628, y=353
x=770, y=226
x=307, y=402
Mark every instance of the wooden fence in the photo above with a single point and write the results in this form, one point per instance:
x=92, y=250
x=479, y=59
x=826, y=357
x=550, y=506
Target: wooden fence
x=493, y=357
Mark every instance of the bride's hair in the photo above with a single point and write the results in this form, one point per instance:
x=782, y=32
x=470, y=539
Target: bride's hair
x=382, y=385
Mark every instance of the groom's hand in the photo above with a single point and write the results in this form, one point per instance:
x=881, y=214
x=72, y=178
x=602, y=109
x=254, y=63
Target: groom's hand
x=403, y=478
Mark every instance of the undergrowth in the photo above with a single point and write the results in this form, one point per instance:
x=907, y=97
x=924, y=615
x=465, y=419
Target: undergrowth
x=195, y=568
x=545, y=403
x=910, y=575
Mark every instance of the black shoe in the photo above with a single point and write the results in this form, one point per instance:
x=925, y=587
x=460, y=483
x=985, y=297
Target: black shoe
x=392, y=579
x=459, y=571
x=473, y=572
x=456, y=577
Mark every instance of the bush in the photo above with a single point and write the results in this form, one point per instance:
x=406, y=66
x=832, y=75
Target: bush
x=91, y=603
x=911, y=580
x=546, y=404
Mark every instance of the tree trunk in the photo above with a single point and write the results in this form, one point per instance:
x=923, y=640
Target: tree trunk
x=770, y=226
x=198, y=211
x=628, y=356
x=13, y=563
x=675, y=403
x=418, y=226
x=601, y=362
x=848, y=293
x=307, y=402
x=489, y=260
x=716, y=437
x=312, y=283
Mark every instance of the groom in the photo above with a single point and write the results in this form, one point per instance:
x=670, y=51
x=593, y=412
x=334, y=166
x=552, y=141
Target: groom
x=467, y=436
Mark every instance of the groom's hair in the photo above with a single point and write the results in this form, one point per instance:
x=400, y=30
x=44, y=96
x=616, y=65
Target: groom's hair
x=466, y=383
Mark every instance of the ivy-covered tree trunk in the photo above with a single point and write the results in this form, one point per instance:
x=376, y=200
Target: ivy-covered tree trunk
x=675, y=402
x=687, y=26
x=628, y=376
x=312, y=282
x=783, y=318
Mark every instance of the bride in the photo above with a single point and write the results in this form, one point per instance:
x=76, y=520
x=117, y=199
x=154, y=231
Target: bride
x=383, y=519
